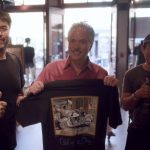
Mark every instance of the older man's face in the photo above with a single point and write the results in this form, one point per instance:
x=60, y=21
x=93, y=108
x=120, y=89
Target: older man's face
x=79, y=44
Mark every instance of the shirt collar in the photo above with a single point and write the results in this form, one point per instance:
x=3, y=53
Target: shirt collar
x=88, y=65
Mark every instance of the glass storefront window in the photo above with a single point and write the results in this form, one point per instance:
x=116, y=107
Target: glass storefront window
x=29, y=2
x=100, y=0
x=75, y=1
x=139, y=28
x=22, y=27
x=85, y=1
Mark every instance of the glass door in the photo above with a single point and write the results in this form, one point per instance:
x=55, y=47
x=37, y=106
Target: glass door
x=29, y=24
x=55, y=50
x=138, y=30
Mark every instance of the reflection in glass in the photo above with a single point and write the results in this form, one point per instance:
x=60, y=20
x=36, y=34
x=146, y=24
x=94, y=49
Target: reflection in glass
x=56, y=46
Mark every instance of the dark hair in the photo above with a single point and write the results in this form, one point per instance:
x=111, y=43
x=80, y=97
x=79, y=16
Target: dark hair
x=146, y=40
x=4, y=16
x=27, y=40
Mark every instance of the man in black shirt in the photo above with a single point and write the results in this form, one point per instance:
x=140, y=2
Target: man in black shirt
x=11, y=83
x=29, y=54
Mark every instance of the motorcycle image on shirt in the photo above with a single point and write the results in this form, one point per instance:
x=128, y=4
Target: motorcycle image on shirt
x=72, y=118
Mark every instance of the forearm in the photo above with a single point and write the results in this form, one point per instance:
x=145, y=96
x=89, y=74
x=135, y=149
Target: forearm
x=128, y=102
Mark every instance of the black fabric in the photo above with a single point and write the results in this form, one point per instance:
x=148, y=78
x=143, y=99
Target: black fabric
x=11, y=83
x=141, y=115
x=137, y=139
x=89, y=98
x=19, y=66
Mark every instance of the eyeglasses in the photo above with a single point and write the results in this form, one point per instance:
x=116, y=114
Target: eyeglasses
x=3, y=30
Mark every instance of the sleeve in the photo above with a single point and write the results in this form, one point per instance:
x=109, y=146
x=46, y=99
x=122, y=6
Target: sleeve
x=115, y=118
x=21, y=73
x=126, y=86
x=33, y=109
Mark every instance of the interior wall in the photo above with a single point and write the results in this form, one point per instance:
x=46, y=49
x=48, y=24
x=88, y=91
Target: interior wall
x=142, y=27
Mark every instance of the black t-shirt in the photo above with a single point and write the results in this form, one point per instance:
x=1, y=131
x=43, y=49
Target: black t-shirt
x=29, y=55
x=11, y=83
x=74, y=114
